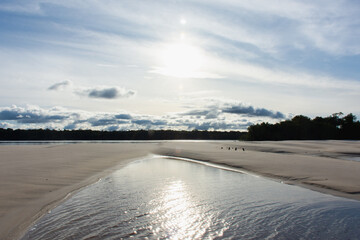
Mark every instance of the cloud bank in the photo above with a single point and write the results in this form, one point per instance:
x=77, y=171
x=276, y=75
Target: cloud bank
x=251, y=111
x=33, y=115
x=221, y=108
x=224, y=117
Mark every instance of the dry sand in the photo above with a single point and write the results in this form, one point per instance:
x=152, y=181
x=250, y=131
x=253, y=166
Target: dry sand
x=34, y=178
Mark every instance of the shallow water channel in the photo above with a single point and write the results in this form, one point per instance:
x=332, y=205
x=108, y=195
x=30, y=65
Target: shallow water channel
x=160, y=198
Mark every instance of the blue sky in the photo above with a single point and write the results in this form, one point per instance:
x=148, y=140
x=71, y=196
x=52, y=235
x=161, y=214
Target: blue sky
x=209, y=65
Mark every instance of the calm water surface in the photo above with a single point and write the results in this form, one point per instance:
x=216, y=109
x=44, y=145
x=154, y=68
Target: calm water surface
x=158, y=198
x=352, y=158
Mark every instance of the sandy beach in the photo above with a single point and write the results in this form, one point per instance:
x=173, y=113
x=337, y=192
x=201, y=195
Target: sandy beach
x=318, y=165
x=34, y=178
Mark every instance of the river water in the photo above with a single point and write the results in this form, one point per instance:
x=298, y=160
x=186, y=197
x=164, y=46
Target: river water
x=158, y=198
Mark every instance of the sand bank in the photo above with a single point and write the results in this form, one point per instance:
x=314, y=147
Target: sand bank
x=318, y=165
x=33, y=178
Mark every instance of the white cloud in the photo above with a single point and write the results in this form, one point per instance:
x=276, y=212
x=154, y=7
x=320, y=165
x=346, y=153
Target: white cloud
x=329, y=26
x=22, y=7
x=244, y=71
x=108, y=92
x=198, y=74
x=96, y=92
x=244, y=43
x=332, y=27
x=226, y=117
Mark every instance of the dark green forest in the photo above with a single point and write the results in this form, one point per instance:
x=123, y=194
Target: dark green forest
x=298, y=128
x=303, y=128
x=46, y=134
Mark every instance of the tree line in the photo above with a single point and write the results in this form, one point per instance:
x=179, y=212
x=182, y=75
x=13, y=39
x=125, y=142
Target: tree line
x=47, y=134
x=303, y=128
x=298, y=128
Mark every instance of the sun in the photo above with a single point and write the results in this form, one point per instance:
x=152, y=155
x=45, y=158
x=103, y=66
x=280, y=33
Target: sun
x=181, y=60
x=183, y=21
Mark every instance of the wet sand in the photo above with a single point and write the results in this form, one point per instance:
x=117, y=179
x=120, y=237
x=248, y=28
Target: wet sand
x=34, y=178
x=318, y=165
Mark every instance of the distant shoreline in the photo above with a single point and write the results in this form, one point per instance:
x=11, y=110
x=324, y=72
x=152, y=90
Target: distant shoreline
x=317, y=165
x=42, y=142
x=95, y=135
x=36, y=177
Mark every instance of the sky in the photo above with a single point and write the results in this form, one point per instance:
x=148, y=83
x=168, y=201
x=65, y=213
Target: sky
x=172, y=64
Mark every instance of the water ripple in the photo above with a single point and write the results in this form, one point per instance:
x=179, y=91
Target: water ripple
x=169, y=199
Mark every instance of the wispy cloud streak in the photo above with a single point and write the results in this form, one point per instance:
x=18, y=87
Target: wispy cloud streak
x=60, y=85
x=301, y=49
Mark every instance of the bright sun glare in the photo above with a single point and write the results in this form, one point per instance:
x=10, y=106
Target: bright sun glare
x=181, y=60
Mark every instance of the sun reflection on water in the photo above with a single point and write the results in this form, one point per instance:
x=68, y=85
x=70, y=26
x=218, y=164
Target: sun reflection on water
x=171, y=199
x=177, y=214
